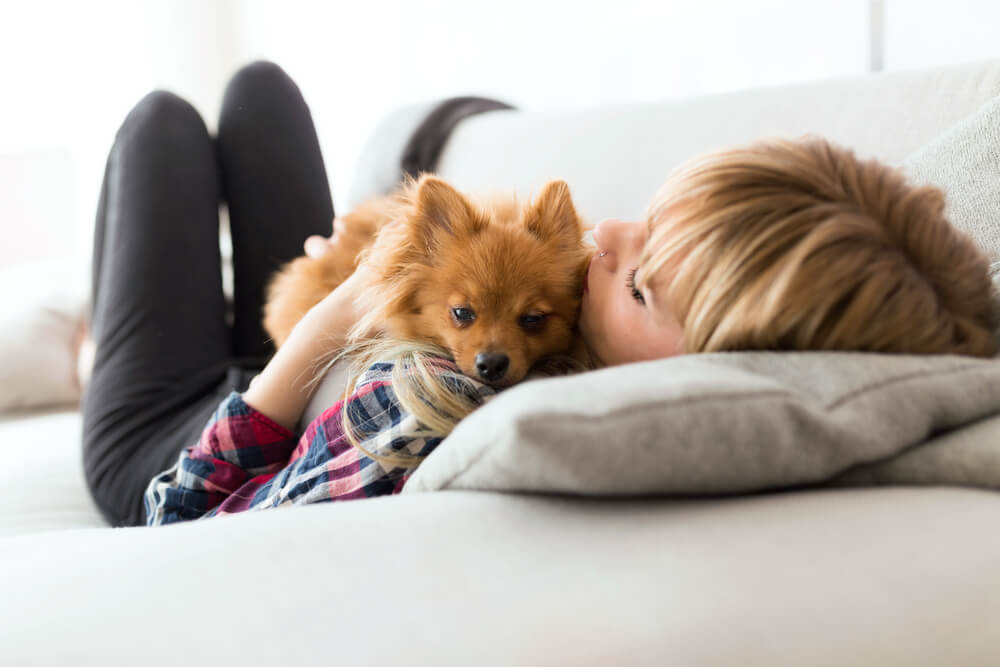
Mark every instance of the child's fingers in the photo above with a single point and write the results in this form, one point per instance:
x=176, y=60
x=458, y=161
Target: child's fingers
x=316, y=246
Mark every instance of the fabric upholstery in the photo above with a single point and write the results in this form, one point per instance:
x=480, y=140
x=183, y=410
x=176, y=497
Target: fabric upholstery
x=834, y=578
x=964, y=161
x=44, y=303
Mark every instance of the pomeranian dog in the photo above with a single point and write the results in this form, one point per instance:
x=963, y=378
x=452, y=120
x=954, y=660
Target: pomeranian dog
x=495, y=283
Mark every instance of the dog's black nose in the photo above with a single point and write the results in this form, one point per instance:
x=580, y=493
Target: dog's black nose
x=492, y=366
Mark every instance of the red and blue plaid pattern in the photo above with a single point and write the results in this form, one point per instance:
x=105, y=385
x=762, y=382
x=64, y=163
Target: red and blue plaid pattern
x=246, y=461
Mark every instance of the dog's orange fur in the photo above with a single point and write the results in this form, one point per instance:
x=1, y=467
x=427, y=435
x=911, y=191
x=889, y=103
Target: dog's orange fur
x=518, y=268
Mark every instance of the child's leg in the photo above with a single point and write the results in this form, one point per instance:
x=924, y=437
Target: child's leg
x=158, y=317
x=275, y=185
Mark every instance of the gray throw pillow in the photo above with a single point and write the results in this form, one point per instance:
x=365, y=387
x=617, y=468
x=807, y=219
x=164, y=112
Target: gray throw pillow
x=710, y=423
x=738, y=422
x=964, y=161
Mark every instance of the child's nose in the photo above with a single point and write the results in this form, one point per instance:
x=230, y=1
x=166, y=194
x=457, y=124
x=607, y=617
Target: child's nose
x=609, y=236
x=604, y=234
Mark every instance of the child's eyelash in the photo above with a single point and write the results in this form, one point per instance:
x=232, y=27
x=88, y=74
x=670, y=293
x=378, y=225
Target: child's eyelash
x=630, y=282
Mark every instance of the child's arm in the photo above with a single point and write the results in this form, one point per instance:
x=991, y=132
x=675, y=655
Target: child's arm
x=238, y=451
x=250, y=437
x=281, y=391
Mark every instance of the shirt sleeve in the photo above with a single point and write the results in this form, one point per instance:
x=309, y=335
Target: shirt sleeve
x=246, y=461
x=239, y=443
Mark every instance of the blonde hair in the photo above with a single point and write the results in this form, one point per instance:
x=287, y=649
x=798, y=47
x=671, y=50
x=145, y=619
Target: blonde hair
x=436, y=401
x=799, y=245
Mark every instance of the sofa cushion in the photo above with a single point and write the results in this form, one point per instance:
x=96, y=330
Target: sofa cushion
x=42, y=475
x=711, y=423
x=614, y=158
x=40, y=334
x=964, y=161
x=866, y=577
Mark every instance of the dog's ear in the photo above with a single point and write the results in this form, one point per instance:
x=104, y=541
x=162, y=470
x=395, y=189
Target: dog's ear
x=441, y=208
x=553, y=216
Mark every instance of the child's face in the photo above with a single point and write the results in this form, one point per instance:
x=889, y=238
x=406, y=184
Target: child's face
x=620, y=323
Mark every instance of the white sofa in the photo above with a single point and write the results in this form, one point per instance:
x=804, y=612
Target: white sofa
x=868, y=576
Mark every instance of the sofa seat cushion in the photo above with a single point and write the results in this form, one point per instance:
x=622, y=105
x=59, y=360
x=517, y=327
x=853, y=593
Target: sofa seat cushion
x=861, y=577
x=41, y=473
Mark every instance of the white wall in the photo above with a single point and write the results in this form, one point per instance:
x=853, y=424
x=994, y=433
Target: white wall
x=70, y=71
x=926, y=33
x=355, y=61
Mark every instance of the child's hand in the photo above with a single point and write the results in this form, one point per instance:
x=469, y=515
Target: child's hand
x=341, y=310
x=282, y=388
x=316, y=246
x=349, y=239
x=346, y=238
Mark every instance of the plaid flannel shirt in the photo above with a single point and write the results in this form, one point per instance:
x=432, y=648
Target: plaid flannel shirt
x=246, y=461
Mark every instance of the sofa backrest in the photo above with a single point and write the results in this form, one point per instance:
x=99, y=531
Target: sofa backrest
x=614, y=158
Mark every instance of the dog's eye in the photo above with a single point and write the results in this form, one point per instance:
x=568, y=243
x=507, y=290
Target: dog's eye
x=532, y=321
x=464, y=315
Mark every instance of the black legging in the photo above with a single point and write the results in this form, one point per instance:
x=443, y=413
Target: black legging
x=166, y=354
